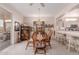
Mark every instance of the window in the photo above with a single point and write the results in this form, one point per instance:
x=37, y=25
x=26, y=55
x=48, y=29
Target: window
x=1, y=25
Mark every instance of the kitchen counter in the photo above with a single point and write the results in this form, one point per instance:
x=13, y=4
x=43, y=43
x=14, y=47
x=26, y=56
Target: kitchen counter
x=72, y=37
x=71, y=33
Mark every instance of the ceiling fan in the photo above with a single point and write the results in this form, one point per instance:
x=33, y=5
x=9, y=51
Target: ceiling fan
x=42, y=4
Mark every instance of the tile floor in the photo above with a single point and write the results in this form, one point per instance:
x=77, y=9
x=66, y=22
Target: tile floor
x=4, y=44
x=19, y=49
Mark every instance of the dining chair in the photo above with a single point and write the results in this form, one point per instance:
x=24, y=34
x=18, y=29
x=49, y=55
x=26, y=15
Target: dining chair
x=25, y=35
x=39, y=43
x=40, y=46
x=30, y=41
x=48, y=36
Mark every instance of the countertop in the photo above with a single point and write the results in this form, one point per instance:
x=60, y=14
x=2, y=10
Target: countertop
x=72, y=33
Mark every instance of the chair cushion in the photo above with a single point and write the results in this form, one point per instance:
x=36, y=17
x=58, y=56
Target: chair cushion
x=39, y=45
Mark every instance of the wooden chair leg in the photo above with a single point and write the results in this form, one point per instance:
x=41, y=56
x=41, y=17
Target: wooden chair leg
x=49, y=44
x=45, y=51
x=27, y=45
x=35, y=51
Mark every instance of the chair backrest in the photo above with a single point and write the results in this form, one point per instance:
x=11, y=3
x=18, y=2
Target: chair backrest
x=37, y=41
x=50, y=32
x=26, y=36
x=34, y=38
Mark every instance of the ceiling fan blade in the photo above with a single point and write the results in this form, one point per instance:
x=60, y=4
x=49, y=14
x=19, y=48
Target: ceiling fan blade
x=42, y=4
x=31, y=4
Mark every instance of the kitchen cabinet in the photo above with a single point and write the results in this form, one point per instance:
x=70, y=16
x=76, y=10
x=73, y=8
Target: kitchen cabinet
x=25, y=33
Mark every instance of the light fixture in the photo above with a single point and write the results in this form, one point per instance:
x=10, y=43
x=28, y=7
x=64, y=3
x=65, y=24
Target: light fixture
x=39, y=14
x=71, y=19
x=38, y=22
x=7, y=20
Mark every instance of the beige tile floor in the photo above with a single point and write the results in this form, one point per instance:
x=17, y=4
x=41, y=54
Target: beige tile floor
x=4, y=44
x=19, y=49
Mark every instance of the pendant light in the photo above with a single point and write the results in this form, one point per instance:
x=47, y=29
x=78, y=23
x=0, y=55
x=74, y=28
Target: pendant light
x=39, y=20
x=39, y=14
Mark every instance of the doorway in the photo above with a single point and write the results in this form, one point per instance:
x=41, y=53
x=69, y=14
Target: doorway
x=5, y=28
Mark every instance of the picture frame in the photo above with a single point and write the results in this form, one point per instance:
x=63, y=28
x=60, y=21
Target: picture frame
x=17, y=26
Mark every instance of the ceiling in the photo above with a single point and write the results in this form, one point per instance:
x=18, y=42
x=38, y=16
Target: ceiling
x=50, y=9
x=73, y=13
x=3, y=12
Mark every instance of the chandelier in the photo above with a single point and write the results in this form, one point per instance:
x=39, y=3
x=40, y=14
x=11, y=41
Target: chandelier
x=42, y=4
x=39, y=22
